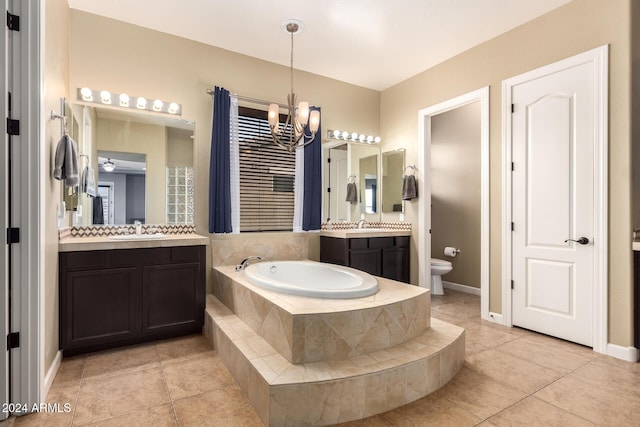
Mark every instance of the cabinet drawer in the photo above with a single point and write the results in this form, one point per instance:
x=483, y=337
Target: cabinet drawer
x=358, y=243
x=402, y=241
x=380, y=242
x=83, y=260
x=185, y=254
x=126, y=257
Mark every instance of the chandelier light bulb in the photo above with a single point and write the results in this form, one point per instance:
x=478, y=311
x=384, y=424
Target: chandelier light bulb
x=314, y=121
x=303, y=113
x=273, y=117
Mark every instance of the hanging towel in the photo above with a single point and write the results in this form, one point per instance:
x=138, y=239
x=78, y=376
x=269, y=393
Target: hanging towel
x=66, y=162
x=98, y=210
x=409, y=187
x=352, y=193
x=88, y=181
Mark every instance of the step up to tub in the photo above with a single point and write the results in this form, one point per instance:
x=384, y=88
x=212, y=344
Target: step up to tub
x=329, y=392
x=306, y=329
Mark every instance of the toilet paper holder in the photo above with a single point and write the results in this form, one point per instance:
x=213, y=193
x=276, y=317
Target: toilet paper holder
x=451, y=251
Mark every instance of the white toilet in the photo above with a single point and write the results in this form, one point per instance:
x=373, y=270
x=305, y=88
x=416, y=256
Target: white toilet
x=438, y=268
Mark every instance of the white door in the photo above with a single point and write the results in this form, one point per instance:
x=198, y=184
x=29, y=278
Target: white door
x=338, y=183
x=553, y=142
x=4, y=224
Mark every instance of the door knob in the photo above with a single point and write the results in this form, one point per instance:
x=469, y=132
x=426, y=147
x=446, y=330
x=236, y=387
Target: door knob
x=581, y=240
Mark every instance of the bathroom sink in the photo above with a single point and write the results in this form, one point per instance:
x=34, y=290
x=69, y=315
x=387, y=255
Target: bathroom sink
x=138, y=236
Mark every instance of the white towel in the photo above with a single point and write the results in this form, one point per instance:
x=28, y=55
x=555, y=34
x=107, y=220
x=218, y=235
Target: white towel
x=66, y=161
x=88, y=181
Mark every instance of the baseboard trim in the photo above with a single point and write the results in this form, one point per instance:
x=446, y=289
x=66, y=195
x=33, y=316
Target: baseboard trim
x=461, y=288
x=495, y=318
x=630, y=354
x=51, y=375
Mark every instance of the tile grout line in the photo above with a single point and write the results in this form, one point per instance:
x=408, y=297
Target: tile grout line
x=549, y=403
x=166, y=386
x=75, y=404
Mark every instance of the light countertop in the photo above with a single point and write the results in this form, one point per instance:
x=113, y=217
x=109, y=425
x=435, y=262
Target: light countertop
x=73, y=244
x=356, y=233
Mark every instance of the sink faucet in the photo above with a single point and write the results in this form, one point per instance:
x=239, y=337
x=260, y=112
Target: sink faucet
x=362, y=223
x=245, y=262
x=138, y=225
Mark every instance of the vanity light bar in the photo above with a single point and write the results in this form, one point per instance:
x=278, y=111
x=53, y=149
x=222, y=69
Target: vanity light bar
x=353, y=136
x=104, y=97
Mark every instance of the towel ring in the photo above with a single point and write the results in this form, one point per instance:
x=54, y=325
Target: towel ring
x=412, y=167
x=352, y=178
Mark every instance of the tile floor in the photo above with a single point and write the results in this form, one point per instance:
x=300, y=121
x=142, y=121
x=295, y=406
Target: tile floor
x=511, y=377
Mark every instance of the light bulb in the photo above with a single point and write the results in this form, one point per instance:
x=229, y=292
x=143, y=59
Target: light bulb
x=345, y=135
x=105, y=96
x=377, y=140
x=370, y=139
x=87, y=94
x=354, y=136
x=157, y=105
x=124, y=100
x=362, y=137
x=141, y=103
x=336, y=133
x=173, y=108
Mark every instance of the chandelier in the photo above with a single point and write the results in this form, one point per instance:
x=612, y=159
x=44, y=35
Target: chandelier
x=292, y=135
x=108, y=166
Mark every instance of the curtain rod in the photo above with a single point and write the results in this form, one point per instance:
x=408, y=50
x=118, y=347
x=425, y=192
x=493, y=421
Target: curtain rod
x=251, y=100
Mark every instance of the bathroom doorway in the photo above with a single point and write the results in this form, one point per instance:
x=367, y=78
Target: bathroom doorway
x=435, y=123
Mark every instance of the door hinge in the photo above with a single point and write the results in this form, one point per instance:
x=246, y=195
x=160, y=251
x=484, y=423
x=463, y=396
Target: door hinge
x=329, y=190
x=13, y=22
x=13, y=127
x=513, y=108
x=512, y=284
x=513, y=167
x=13, y=235
x=13, y=340
x=328, y=159
x=513, y=227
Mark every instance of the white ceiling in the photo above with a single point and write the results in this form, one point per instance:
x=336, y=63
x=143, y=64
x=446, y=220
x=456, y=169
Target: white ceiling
x=370, y=43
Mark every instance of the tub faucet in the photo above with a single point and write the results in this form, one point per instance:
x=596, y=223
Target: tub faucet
x=362, y=223
x=245, y=262
x=138, y=225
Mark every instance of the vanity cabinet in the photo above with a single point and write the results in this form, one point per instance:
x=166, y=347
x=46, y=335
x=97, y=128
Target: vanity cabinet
x=381, y=256
x=110, y=298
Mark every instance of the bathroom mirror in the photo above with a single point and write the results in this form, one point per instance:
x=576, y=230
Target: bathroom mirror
x=369, y=184
x=153, y=156
x=392, y=171
x=343, y=168
x=121, y=185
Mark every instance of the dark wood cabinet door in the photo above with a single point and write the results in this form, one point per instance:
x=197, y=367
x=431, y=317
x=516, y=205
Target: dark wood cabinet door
x=395, y=264
x=172, y=297
x=99, y=307
x=366, y=260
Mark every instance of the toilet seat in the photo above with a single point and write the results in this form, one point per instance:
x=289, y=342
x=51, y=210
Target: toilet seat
x=440, y=262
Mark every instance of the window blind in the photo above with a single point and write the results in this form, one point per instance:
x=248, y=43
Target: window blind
x=266, y=176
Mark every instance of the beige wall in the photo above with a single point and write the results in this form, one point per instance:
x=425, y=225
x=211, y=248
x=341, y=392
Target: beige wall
x=56, y=55
x=157, y=65
x=455, y=191
x=150, y=140
x=574, y=28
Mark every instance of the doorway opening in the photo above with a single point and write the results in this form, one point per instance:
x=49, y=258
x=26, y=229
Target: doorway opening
x=426, y=119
